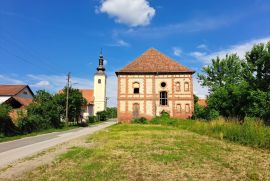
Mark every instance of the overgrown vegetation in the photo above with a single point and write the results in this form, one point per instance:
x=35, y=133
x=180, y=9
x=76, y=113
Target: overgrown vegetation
x=239, y=88
x=251, y=132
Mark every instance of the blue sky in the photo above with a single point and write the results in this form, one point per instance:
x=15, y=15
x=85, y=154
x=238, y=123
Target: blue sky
x=40, y=41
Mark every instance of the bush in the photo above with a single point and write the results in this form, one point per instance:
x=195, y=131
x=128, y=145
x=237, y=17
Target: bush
x=164, y=114
x=141, y=120
x=102, y=116
x=7, y=127
x=29, y=124
x=91, y=119
x=206, y=113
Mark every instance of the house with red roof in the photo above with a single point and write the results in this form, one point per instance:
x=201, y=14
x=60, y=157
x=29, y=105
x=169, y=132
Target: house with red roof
x=153, y=83
x=17, y=96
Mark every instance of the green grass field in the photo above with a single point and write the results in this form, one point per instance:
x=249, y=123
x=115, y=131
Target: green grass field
x=156, y=152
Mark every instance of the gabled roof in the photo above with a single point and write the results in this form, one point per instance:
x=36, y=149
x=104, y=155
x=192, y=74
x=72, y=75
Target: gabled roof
x=12, y=90
x=152, y=61
x=88, y=94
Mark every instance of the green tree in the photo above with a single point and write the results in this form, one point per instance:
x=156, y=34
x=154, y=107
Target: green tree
x=258, y=67
x=222, y=72
x=76, y=101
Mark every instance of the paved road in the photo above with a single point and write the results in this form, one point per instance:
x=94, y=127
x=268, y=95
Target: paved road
x=14, y=150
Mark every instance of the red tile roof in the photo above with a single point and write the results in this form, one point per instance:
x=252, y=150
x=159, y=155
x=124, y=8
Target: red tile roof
x=23, y=101
x=11, y=90
x=152, y=61
x=88, y=94
x=202, y=102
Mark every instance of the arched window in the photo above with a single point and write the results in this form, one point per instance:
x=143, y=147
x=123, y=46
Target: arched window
x=163, y=98
x=187, y=108
x=186, y=86
x=136, y=88
x=178, y=108
x=99, y=81
x=177, y=86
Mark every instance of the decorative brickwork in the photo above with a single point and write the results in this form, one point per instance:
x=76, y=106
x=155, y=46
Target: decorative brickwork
x=154, y=77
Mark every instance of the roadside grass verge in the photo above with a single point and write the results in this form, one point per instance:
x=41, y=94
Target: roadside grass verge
x=251, y=132
x=155, y=152
x=11, y=138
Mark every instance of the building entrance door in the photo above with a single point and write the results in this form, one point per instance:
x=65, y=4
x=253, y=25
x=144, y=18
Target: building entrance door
x=136, y=110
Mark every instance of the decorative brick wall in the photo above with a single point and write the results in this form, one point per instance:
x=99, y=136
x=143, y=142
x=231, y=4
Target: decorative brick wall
x=149, y=93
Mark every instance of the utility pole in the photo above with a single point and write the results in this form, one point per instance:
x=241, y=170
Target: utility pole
x=68, y=81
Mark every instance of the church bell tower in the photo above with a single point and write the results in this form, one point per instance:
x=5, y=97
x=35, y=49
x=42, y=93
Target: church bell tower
x=100, y=99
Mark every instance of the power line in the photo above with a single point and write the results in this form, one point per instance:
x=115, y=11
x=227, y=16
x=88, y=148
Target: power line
x=26, y=60
x=33, y=52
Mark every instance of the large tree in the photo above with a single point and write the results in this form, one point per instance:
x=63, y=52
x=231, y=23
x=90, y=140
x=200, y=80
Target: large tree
x=76, y=101
x=222, y=72
x=258, y=67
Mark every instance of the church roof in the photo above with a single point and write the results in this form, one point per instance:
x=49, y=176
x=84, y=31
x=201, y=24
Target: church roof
x=88, y=94
x=153, y=61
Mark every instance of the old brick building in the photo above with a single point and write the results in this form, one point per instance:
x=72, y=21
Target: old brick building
x=154, y=83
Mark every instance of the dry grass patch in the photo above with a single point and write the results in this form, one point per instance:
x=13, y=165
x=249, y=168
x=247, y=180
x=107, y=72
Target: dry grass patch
x=155, y=152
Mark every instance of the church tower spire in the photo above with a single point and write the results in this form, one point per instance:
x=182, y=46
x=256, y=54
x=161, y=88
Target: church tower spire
x=100, y=67
x=100, y=99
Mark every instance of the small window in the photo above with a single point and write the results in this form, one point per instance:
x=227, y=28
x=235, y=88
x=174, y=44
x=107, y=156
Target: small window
x=136, y=87
x=99, y=81
x=163, y=98
x=187, y=108
x=163, y=84
x=177, y=86
x=136, y=90
x=24, y=92
x=178, y=108
x=186, y=87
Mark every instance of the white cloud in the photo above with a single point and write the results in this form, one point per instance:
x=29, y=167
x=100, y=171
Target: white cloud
x=42, y=84
x=177, y=51
x=202, y=46
x=240, y=49
x=130, y=12
x=119, y=43
x=4, y=79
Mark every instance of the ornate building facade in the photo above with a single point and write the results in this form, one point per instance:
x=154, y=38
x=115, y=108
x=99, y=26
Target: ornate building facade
x=154, y=83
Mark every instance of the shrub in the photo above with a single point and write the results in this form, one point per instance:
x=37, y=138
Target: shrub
x=7, y=127
x=91, y=119
x=102, y=116
x=164, y=114
x=141, y=120
x=28, y=124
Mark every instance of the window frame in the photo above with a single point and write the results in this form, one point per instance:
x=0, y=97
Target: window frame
x=177, y=87
x=186, y=87
x=163, y=99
